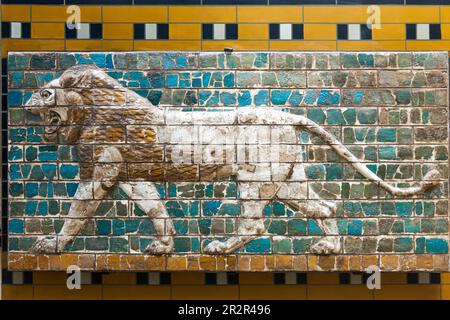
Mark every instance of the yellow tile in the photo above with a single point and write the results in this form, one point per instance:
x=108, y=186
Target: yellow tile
x=49, y=277
x=428, y=45
x=408, y=291
x=276, y=14
x=302, y=45
x=389, y=32
x=59, y=13
x=327, y=14
x=445, y=291
x=117, y=31
x=188, y=278
x=235, y=44
x=202, y=14
x=318, y=31
x=445, y=31
x=15, y=13
x=194, y=292
x=445, y=14
x=273, y=292
x=339, y=292
x=323, y=278
x=167, y=45
x=409, y=14
x=371, y=45
x=135, y=14
x=185, y=31
x=445, y=277
x=54, y=292
x=98, y=45
x=134, y=292
x=393, y=278
x=119, y=278
x=255, y=278
x=17, y=292
x=253, y=31
x=31, y=45
x=47, y=30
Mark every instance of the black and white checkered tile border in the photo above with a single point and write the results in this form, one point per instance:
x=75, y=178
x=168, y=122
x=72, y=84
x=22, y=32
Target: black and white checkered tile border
x=423, y=31
x=153, y=278
x=84, y=31
x=354, y=31
x=16, y=30
x=286, y=31
x=151, y=31
x=219, y=31
x=281, y=278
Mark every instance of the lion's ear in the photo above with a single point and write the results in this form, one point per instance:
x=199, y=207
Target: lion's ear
x=85, y=76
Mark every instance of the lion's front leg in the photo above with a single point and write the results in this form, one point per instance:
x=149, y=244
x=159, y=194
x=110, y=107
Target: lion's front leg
x=85, y=202
x=145, y=195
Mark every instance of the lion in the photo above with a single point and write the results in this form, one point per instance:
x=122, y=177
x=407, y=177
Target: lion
x=125, y=141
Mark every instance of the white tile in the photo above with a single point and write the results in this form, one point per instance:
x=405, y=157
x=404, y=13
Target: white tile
x=354, y=32
x=424, y=278
x=153, y=278
x=423, y=31
x=16, y=30
x=290, y=278
x=86, y=278
x=355, y=278
x=222, y=278
x=219, y=31
x=17, y=277
x=151, y=32
x=84, y=31
x=285, y=31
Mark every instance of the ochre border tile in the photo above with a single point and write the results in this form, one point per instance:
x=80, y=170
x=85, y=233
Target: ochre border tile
x=17, y=292
x=185, y=31
x=204, y=14
x=135, y=14
x=194, y=292
x=273, y=292
x=45, y=13
x=42, y=30
x=408, y=292
x=167, y=45
x=135, y=292
x=55, y=292
x=270, y=14
x=15, y=12
x=339, y=292
x=117, y=31
x=302, y=45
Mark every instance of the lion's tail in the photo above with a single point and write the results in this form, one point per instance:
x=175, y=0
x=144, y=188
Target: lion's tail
x=430, y=180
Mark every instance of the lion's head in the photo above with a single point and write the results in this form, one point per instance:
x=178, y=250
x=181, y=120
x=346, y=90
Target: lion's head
x=65, y=104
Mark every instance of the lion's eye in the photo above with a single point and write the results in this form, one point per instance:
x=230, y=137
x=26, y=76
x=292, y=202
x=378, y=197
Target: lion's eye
x=45, y=94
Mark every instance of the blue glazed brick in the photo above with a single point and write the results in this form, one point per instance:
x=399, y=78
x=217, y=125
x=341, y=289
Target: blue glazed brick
x=146, y=227
x=230, y=209
x=435, y=245
x=404, y=209
x=16, y=226
x=313, y=228
x=260, y=245
x=68, y=171
x=297, y=227
x=355, y=227
x=387, y=135
x=181, y=226
x=403, y=244
x=420, y=245
x=211, y=207
x=388, y=153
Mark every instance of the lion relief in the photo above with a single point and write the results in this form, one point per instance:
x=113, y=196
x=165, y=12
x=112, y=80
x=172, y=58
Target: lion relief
x=125, y=141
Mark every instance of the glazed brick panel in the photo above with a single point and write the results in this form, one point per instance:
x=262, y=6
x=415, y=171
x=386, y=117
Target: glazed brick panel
x=389, y=109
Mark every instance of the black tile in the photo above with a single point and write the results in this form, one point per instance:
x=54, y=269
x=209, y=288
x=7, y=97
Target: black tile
x=366, y=32
x=435, y=31
x=274, y=2
x=427, y=2
x=365, y=276
x=302, y=278
x=142, y=278
x=7, y=277
x=97, y=277
x=33, y=1
x=344, y=278
x=412, y=278
x=232, y=278
x=26, y=30
x=95, y=31
x=6, y=30
x=207, y=31
x=210, y=278
x=274, y=31
x=234, y=2
x=4, y=84
x=4, y=66
x=435, y=278
x=165, y=278
x=342, y=32
x=139, y=31
x=28, y=277
x=370, y=2
x=279, y=278
x=411, y=31
x=297, y=31
x=162, y=31
x=99, y=2
x=71, y=33
x=167, y=2
x=231, y=31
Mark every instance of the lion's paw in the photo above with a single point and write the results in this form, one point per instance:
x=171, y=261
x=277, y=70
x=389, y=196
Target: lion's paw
x=158, y=247
x=45, y=245
x=215, y=247
x=327, y=246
